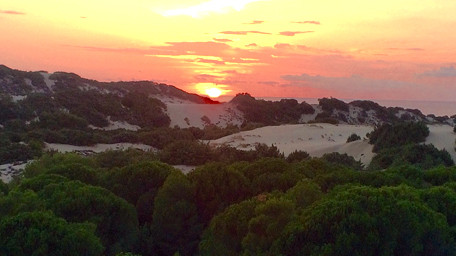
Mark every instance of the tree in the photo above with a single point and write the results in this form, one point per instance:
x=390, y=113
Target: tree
x=217, y=186
x=175, y=219
x=356, y=220
x=115, y=219
x=297, y=156
x=138, y=183
x=43, y=234
x=226, y=230
x=267, y=225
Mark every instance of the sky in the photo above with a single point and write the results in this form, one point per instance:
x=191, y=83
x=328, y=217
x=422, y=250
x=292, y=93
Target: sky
x=352, y=49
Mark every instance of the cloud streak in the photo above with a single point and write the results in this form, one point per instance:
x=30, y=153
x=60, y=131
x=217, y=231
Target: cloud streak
x=441, y=72
x=254, y=22
x=293, y=33
x=12, y=12
x=354, y=86
x=307, y=22
x=222, y=40
x=244, y=33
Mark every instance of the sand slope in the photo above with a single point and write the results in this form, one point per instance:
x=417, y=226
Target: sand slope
x=315, y=139
x=190, y=114
x=442, y=137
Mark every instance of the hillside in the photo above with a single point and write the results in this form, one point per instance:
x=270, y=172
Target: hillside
x=40, y=111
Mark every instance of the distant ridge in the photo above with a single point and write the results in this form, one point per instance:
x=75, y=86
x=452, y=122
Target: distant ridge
x=147, y=104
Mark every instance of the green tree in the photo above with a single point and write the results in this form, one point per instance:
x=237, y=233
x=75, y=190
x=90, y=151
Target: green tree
x=297, y=156
x=175, y=218
x=358, y=220
x=226, y=230
x=267, y=225
x=138, y=183
x=43, y=234
x=116, y=220
x=217, y=186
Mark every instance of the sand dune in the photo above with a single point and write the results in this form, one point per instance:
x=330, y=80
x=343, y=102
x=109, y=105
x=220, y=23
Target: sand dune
x=442, y=137
x=315, y=139
x=191, y=114
x=318, y=139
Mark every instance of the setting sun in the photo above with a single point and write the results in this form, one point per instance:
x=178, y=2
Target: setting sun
x=213, y=92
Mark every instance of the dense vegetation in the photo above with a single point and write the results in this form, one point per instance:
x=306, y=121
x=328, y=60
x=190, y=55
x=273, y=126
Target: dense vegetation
x=256, y=202
x=271, y=112
x=128, y=203
x=398, y=134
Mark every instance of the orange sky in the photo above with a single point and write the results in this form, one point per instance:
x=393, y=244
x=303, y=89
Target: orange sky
x=289, y=48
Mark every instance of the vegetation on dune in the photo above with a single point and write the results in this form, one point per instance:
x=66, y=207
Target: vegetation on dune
x=252, y=202
x=398, y=134
x=128, y=203
x=353, y=137
x=271, y=112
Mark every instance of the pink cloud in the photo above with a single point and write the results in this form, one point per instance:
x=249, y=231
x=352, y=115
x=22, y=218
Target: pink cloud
x=12, y=12
x=244, y=32
x=307, y=22
x=255, y=22
x=217, y=62
x=252, y=45
x=293, y=33
x=222, y=40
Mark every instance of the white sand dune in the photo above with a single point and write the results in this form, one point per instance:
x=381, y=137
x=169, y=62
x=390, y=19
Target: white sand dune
x=442, y=137
x=315, y=139
x=186, y=115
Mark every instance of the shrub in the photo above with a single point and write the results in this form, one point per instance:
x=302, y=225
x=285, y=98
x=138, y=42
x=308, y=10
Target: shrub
x=353, y=137
x=297, y=156
x=399, y=134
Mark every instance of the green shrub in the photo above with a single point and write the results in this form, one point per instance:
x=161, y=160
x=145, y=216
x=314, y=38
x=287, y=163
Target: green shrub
x=353, y=137
x=399, y=134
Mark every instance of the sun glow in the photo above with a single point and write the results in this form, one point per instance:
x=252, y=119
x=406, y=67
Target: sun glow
x=208, y=7
x=213, y=92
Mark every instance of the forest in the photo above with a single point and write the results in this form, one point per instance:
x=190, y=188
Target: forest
x=236, y=203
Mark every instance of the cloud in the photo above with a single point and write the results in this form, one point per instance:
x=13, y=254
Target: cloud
x=243, y=33
x=307, y=22
x=12, y=12
x=254, y=22
x=271, y=83
x=208, y=7
x=293, y=33
x=223, y=40
x=441, y=72
x=252, y=45
x=210, y=61
x=354, y=86
x=206, y=77
x=405, y=49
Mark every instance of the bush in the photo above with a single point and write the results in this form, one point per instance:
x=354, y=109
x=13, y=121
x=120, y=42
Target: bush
x=332, y=104
x=186, y=152
x=297, y=156
x=271, y=112
x=353, y=137
x=399, y=134
x=423, y=156
x=343, y=159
